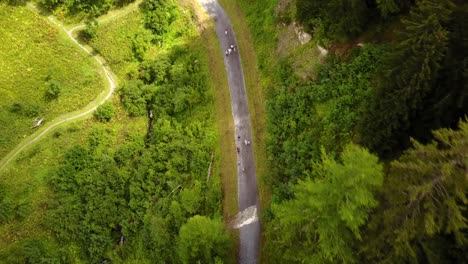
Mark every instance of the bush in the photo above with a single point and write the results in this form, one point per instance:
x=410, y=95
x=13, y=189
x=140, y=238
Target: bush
x=90, y=30
x=53, y=91
x=104, y=112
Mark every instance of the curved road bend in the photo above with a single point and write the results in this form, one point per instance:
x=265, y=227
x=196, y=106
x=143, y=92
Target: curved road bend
x=247, y=180
x=80, y=113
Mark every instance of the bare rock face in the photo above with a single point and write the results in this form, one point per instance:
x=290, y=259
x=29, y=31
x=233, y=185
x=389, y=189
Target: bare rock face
x=302, y=36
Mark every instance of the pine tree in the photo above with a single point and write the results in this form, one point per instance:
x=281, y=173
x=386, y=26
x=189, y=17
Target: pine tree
x=324, y=219
x=341, y=18
x=410, y=75
x=425, y=198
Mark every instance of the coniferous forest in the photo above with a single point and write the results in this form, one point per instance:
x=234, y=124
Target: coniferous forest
x=368, y=158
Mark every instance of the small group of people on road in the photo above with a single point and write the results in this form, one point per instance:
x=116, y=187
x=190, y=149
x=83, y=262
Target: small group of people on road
x=232, y=48
x=246, y=142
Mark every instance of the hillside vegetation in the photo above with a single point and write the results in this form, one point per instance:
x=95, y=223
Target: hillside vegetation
x=132, y=184
x=42, y=74
x=331, y=198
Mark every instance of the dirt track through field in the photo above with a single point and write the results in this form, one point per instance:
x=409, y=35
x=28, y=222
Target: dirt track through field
x=91, y=107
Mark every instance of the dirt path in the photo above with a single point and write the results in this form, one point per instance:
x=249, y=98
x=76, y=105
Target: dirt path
x=248, y=225
x=91, y=107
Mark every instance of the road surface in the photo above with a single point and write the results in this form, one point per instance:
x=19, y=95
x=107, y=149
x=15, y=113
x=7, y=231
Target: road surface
x=91, y=107
x=247, y=180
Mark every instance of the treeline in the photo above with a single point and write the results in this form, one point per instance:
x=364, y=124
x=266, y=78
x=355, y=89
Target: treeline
x=344, y=19
x=404, y=199
x=147, y=199
x=91, y=8
x=423, y=82
x=348, y=211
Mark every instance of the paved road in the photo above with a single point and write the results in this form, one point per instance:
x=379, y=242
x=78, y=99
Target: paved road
x=91, y=107
x=247, y=180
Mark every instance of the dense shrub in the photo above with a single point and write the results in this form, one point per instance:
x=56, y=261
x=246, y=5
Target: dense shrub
x=105, y=112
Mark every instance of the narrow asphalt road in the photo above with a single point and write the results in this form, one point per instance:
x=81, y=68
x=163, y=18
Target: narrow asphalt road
x=247, y=180
x=91, y=107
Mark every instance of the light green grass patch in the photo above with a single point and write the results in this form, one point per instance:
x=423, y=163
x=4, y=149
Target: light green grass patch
x=33, y=51
x=114, y=42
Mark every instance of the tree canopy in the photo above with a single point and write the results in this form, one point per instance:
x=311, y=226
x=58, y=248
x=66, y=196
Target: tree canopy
x=328, y=209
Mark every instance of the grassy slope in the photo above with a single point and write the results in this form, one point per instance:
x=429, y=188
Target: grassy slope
x=32, y=49
x=113, y=42
x=29, y=173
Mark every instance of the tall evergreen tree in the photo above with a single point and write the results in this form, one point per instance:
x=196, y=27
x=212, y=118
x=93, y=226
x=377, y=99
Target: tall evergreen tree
x=425, y=203
x=323, y=220
x=409, y=77
x=341, y=18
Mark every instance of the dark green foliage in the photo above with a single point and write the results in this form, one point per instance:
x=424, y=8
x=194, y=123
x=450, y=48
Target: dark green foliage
x=425, y=203
x=12, y=207
x=344, y=19
x=323, y=219
x=92, y=8
x=156, y=71
x=202, y=240
x=37, y=251
x=91, y=195
x=405, y=86
x=158, y=15
x=131, y=95
x=6, y=205
x=414, y=85
x=392, y=7
x=171, y=85
x=105, y=112
x=89, y=32
x=140, y=43
x=25, y=110
x=16, y=108
x=16, y=2
x=157, y=239
x=99, y=200
x=304, y=116
x=53, y=90
x=341, y=19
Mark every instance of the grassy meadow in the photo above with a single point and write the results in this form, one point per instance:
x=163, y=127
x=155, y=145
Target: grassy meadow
x=35, y=54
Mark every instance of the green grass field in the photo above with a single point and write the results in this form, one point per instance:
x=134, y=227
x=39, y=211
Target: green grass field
x=113, y=42
x=34, y=53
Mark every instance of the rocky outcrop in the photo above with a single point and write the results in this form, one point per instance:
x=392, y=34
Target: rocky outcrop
x=302, y=36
